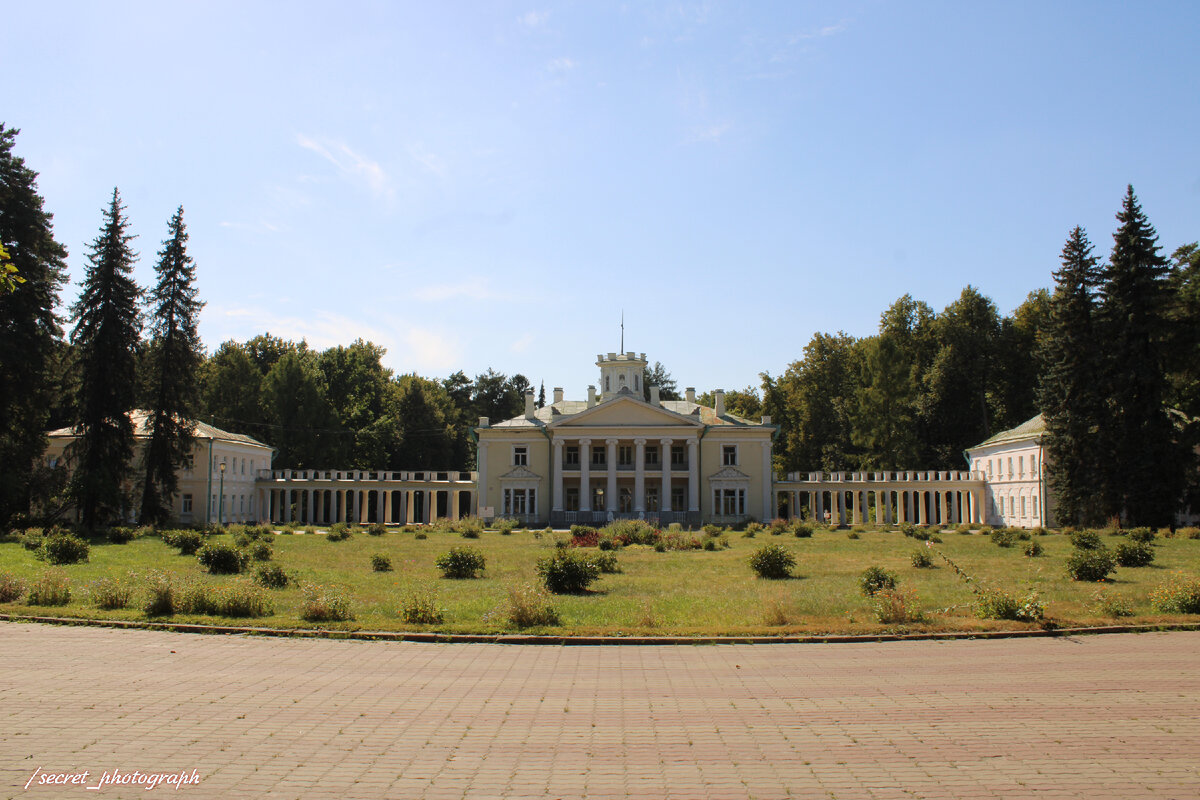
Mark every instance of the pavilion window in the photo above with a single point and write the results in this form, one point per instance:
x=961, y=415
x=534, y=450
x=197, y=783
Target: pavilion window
x=572, y=456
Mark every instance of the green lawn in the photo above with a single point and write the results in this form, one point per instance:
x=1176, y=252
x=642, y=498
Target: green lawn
x=693, y=592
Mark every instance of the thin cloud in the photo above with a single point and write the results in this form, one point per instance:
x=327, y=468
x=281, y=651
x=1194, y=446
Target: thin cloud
x=522, y=344
x=561, y=65
x=819, y=33
x=433, y=351
x=351, y=165
x=465, y=290
x=709, y=133
x=534, y=19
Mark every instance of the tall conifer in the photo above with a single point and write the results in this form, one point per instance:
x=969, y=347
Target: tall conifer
x=1148, y=482
x=107, y=328
x=29, y=330
x=175, y=359
x=1070, y=392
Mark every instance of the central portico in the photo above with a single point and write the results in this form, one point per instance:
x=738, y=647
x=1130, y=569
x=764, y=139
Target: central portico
x=620, y=455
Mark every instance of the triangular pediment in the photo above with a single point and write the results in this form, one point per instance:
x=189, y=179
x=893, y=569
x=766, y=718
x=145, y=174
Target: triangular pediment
x=729, y=474
x=521, y=473
x=625, y=410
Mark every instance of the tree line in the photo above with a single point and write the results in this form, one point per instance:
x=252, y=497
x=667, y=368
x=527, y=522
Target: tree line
x=1109, y=357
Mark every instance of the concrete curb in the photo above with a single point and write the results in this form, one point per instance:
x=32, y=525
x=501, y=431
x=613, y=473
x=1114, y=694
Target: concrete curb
x=508, y=638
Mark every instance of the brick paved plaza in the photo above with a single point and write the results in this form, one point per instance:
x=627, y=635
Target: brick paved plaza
x=1099, y=716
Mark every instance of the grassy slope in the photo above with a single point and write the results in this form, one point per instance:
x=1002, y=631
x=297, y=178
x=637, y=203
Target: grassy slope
x=694, y=592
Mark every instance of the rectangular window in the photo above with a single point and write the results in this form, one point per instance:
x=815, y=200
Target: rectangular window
x=571, y=458
x=625, y=500
x=989, y=468
x=1010, y=469
x=598, y=457
x=729, y=455
x=1035, y=513
x=520, y=455
x=625, y=455
x=651, y=455
x=597, y=499
x=572, y=500
x=1021, y=466
x=1022, y=506
x=189, y=462
x=677, y=458
x=678, y=502
x=187, y=504
x=652, y=498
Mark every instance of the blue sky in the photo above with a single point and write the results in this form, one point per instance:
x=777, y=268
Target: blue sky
x=477, y=185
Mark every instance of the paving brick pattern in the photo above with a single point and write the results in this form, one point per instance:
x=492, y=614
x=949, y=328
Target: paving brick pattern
x=1090, y=717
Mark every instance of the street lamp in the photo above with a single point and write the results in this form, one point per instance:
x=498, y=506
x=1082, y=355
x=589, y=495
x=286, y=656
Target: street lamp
x=221, y=502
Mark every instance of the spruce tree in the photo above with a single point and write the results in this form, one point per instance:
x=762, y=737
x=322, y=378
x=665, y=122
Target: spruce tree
x=1148, y=480
x=1070, y=393
x=29, y=330
x=107, y=328
x=175, y=356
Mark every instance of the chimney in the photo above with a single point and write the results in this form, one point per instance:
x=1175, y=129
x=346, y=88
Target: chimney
x=654, y=396
x=690, y=394
x=558, y=394
x=591, y=396
x=483, y=422
x=529, y=407
x=719, y=398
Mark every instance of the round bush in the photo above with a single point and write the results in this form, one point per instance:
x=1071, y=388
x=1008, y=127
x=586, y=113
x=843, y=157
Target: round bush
x=271, y=576
x=1091, y=565
x=121, y=535
x=1140, y=535
x=381, y=563
x=568, y=571
x=1033, y=549
x=188, y=542
x=773, y=561
x=63, y=549
x=1134, y=554
x=874, y=579
x=1086, y=540
x=461, y=562
x=921, y=559
x=222, y=559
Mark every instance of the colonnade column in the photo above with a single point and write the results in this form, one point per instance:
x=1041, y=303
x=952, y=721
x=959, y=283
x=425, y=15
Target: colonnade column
x=639, y=475
x=664, y=446
x=610, y=490
x=770, y=505
x=556, y=503
x=379, y=502
x=585, y=474
x=694, y=475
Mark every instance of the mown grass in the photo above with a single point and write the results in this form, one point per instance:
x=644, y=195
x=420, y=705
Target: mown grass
x=694, y=592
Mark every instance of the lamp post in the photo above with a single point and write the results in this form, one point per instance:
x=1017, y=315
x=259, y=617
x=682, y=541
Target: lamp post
x=221, y=502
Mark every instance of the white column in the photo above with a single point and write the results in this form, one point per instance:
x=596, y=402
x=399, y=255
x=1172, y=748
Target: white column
x=557, y=501
x=585, y=474
x=887, y=507
x=387, y=507
x=610, y=491
x=694, y=475
x=379, y=505
x=639, y=475
x=664, y=457
x=311, y=505
x=768, y=488
x=482, y=496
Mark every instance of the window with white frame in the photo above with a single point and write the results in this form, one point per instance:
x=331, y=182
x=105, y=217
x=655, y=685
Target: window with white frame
x=520, y=502
x=520, y=455
x=652, y=498
x=677, y=456
x=599, y=458
x=189, y=462
x=729, y=455
x=1021, y=467
x=625, y=455
x=571, y=457
x=730, y=502
x=651, y=454
x=187, y=504
x=1010, y=469
x=677, y=498
x=572, y=499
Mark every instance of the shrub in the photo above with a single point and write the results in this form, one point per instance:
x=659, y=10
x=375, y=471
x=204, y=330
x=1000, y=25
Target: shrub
x=636, y=531
x=63, y=549
x=222, y=559
x=110, y=593
x=381, y=563
x=802, y=530
x=11, y=587
x=567, y=572
x=1178, y=595
x=1134, y=554
x=677, y=540
x=711, y=530
x=998, y=604
x=773, y=561
x=892, y=606
x=922, y=559
x=583, y=536
x=853, y=535
x=421, y=535
x=1033, y=549
x=121, y=536
x=1086, y=540
x=461, y=562
x=607, y=562
x=1105, y=604
x=53, y=588
x=238, y=600
x=875, y=579
x=160, y=595
x=1188, y=533
x=529, y=606
x=775, y=614
x=505, y=526
x=608, y=543
x=1091, y=565
x=1038, y=531
x=324, y=604
x=420, y=607
x=188, y=542
x=376, y=529
x=752, y=528
x=32, y=539
x=271, y=576
x=337, y=534
x=1003, y=537
x=261, y=551
x=1144, y=535
x=908, y=529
